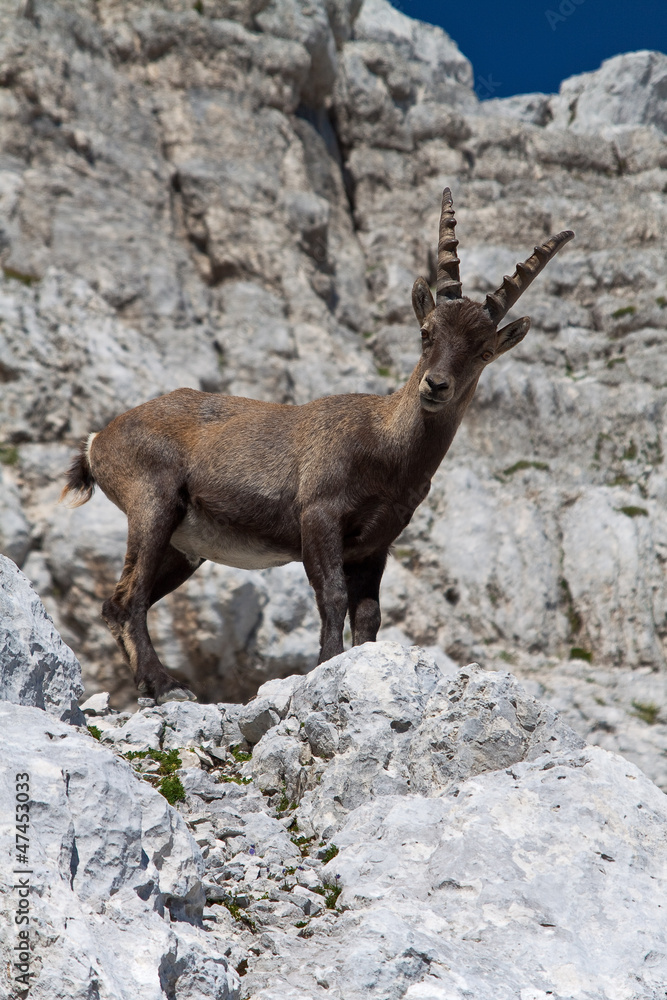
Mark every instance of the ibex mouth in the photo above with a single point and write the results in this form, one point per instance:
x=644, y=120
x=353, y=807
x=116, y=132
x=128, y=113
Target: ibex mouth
x=432, y=403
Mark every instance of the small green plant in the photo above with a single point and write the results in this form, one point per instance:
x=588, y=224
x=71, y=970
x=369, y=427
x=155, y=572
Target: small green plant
x=238, y=914
x=330, y=853
x=615, y=361
x=630, y=453
x=303, y=843
x=302, y=923
x=171, y=787
x=95, y=732
x=633, y=511
x=661, y=301
x=383, y=371
x=237, y=779
x=506, y=657
x=578, y=653
x=524, y=464
x=8, y=454
x=648, y=711
x=168, y=760
x=331, y=897
x=240, y=756
x=624, y=311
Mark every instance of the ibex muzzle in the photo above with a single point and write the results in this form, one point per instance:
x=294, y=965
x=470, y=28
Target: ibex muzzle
x=331, y=483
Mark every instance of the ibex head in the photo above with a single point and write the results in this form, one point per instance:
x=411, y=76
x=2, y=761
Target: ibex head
x=461, y=337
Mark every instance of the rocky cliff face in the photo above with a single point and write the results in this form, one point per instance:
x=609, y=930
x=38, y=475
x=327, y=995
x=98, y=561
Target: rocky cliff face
x=237, y=196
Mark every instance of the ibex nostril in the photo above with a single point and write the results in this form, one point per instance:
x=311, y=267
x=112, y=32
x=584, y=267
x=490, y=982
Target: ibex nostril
x=437, y=386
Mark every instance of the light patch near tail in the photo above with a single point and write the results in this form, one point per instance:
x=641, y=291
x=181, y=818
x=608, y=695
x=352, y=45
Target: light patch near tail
x=89, y=444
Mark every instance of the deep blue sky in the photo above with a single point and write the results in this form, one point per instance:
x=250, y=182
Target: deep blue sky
x=520, y=46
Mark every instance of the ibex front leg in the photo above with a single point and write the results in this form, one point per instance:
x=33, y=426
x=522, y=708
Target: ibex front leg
x=322, y=554
x=363, y=593
x=140, y=585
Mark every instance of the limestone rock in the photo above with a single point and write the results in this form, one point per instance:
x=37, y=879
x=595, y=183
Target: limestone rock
x=627, y=90
x=111, y=864
x=388, y=721
x=14, y=528
x=36, y=667
x=97, y=704
x=449, y=897
x=414, y=815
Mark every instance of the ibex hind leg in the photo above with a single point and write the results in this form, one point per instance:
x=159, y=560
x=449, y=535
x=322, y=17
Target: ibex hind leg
x=152, y=569
x=363, y=594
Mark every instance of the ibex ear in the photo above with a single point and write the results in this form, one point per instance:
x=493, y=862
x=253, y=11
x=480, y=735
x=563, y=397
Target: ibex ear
x=422, y=300
x=512, y=334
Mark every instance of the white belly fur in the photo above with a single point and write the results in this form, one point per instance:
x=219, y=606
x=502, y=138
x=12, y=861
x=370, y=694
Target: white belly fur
x=198, y=537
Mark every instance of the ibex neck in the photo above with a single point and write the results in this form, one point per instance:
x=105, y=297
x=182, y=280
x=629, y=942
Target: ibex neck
x=422, y=439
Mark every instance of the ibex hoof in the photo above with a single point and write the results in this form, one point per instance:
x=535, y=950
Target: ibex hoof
x=176, y=694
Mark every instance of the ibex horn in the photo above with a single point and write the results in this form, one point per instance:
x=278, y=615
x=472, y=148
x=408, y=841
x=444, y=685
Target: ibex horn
x=448, y=280
x=499, y=303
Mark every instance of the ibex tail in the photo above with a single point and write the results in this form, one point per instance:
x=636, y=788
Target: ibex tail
x=80, y=479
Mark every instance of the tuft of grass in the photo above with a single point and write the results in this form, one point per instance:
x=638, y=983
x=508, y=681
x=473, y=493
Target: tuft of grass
x=620, y=479
x=648, y=711
x=283, y=804
x=616, y=361
x=240, y=756
x=8, y=454
x=23, y=276
x=169, y=761
x=330, y=853
x=661, y=301
x=95, y=732
x=524, y=464
x=624, y=311
x=573, y=616
x=630, y=453
x=381, y=370
x=578, y=653
x=631, y=511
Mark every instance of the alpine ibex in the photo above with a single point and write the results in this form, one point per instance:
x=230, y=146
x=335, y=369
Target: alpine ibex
x=332, y=482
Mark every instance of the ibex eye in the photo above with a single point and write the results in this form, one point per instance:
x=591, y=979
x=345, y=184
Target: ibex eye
x=487, y=355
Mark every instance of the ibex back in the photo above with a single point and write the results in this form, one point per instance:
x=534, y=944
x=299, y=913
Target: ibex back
x=332, y=482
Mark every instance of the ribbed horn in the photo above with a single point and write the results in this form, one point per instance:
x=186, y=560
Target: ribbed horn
x=448, y=280
x=499, y=303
